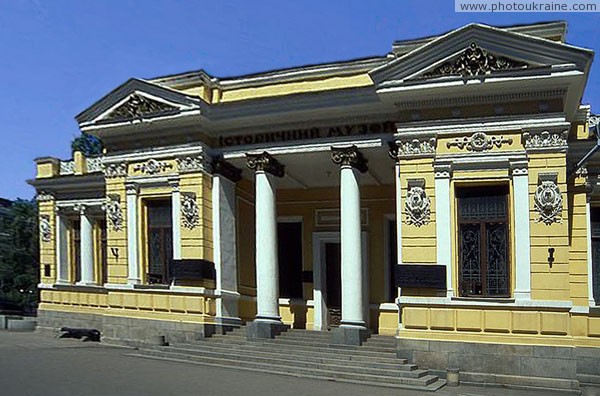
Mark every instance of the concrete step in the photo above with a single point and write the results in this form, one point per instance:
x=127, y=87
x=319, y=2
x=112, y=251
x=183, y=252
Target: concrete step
x=327, y=344
x=400, y=365
x=409, y=371
x=265, y=347
x=425, y=382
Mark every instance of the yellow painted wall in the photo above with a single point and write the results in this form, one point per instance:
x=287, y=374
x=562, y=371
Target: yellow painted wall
x=48, y=248
x=117, y=240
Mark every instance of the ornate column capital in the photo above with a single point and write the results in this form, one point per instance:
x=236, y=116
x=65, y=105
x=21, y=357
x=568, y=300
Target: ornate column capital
x=44, y=196
x=131, y=188
x=519, y=168
x=349, y=156
x=80, y=208
x=174, y=183
x=443, y=171
x=225, y=169
x=264, y=162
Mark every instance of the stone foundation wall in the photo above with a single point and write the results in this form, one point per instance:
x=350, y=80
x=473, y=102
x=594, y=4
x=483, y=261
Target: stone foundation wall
x=130, y=331
x=518, y=365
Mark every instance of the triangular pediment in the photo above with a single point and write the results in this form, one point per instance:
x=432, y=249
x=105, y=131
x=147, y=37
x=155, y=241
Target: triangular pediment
x=139, y=106
x=478, y=50
x=137, y=99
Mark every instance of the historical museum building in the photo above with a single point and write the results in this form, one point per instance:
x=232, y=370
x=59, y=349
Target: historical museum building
x=444, y=193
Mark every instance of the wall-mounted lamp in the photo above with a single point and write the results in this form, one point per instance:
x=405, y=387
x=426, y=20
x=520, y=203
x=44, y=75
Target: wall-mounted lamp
x=550, y=256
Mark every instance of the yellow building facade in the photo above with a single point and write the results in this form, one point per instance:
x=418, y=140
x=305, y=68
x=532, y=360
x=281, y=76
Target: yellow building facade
x=444, y=194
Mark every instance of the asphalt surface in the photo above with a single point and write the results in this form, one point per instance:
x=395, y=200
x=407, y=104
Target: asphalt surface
x=39, y=364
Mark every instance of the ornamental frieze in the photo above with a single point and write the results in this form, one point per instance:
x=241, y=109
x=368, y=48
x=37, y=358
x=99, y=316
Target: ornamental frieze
x=479, y=141
x=548, y=201
x=264, y=162
x=349, y=156
x=412, y=147
x=545, y=139
x=152, y=167
x=45, y=228
x=191, y=164
x=138, y=106
x=190, y=214
x=115, y=170
x=44, y=196
x=475, y=61
x=418, y=204
x=114, y=212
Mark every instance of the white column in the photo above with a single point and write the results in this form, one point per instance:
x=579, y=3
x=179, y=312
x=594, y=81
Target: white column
x=133, y=276
x=443, y=230
x=267, y=266
x=176, y=218
x=224, y=242
x=62, y=262
x=87, y=247
x=590, y=265
x=520, y=180
x=353, y=298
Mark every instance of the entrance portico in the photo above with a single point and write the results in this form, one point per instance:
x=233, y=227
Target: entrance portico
x=338, y=165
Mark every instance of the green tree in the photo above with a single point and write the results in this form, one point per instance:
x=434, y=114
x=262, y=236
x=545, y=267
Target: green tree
x=89, y=145
x=19, y=252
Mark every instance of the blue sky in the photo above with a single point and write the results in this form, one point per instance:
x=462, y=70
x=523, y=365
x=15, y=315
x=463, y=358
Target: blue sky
x=58, y=57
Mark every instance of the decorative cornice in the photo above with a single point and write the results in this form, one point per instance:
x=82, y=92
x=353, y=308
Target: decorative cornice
x=264, y=162
x=189, y=210
x=190, y=164
x=114, y=212
x=479, y=99
x=475, y=61
x=152, y=166
x=138, y=106
x=224, y=168
x=349, y=156
x=548, y=200
x=45, y=228
x=545, y=140
x=417, y=205
x=412, y=147
x=44, y=196
x=479, y=141
x=115, y=170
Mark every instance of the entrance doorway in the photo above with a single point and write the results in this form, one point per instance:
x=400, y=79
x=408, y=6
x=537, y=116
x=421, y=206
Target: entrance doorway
x=327, y=292
x=333, y=291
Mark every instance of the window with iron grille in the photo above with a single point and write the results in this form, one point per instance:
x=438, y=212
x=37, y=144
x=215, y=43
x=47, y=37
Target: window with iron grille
x=483, y=241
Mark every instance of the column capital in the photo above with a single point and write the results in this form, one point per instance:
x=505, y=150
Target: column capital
x=80, y=208
x=519, y=168
x=264, y=162
x=443, y=171
x=349, y=156
x=174, y=183
x=225, y=169
x=131, y=188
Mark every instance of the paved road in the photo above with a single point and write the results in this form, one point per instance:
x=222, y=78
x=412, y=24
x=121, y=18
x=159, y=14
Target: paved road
x=37, y=364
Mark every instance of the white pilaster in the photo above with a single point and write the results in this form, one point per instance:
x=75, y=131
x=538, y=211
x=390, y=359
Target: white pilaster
x=267, y=266
x=590, y=263
x=224, y=242
x=133, y=276
x=520, y=180
x=176, y=218
x=398, y=217
x=87, y=247
x=353, y=298
x=62, y=262
x=443, y=225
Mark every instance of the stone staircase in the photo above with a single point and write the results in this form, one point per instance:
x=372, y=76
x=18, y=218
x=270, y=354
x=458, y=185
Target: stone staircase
x=303, y=353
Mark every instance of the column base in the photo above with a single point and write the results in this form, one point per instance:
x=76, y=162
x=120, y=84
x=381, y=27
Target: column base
x=264, y=329
x=352, y=335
